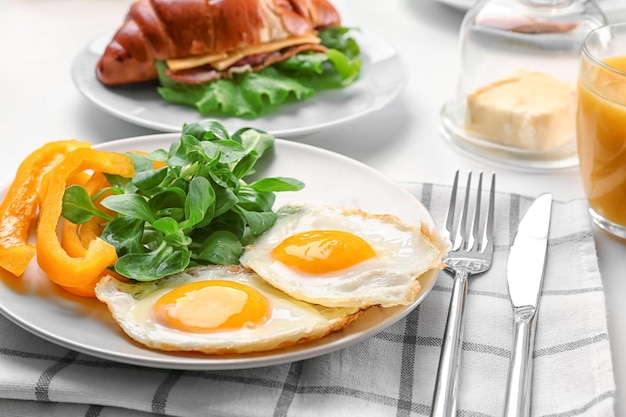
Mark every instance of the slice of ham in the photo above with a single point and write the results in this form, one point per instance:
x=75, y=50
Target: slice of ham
x=251, y=63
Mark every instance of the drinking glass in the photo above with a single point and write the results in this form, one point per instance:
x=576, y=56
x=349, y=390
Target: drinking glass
x=601, y=125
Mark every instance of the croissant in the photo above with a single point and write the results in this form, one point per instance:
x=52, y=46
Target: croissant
x=206, y=39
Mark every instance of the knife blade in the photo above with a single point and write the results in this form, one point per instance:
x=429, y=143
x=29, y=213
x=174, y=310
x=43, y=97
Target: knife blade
x=525, y=271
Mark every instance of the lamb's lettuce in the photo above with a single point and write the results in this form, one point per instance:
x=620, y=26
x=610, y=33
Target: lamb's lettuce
x=193, y=204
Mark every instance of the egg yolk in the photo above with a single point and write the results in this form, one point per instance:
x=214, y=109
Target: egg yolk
x=216, y=305
x=322, y=251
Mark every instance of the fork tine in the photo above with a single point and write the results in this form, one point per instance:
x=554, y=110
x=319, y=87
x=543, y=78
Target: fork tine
x=487, y=237
x=470, y=238
x=476, y=219
x=451, y=206
x=461, y=230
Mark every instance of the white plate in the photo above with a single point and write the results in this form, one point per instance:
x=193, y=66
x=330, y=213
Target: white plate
x=85, y=325
x=383, y=77
x=607, y=6
x=459, y=4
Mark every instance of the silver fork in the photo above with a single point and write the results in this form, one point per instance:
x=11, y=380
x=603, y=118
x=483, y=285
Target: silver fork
x=471, y=254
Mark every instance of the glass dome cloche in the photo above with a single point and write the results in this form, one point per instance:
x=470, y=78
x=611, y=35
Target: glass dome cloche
x=515, y=101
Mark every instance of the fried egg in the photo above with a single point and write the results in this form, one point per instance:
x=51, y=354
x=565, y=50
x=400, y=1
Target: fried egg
x=339, y=257
x=216, y=310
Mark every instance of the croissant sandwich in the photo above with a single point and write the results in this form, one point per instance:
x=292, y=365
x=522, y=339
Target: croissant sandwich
x=186, y=43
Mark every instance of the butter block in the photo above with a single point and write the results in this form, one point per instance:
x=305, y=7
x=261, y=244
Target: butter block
x=528, y=109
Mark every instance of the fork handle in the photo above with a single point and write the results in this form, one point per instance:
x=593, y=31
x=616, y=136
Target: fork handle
x=444, y=398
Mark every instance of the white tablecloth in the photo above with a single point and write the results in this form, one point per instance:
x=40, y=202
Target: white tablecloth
x=390, y=374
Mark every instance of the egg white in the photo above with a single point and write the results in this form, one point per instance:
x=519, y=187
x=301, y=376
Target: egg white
x=291, y=321
x=403, y=253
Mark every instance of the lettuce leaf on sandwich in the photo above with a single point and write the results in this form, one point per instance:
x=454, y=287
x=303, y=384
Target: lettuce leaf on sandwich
x=253, y=94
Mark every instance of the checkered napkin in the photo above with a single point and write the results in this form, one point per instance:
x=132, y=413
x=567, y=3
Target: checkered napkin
x=390, y=374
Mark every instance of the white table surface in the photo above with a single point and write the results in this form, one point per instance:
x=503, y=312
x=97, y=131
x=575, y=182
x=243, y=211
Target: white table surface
x=40, y=38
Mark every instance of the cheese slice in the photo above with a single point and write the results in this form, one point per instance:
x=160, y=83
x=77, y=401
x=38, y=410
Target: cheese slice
x=224, y=60
x=528, y=110
x=192, y=62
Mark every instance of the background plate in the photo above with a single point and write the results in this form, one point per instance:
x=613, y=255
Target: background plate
x=459, y=4
x=383, y=77
x=610, y=7
x=85, y=325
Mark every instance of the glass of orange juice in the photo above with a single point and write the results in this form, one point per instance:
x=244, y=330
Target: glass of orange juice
x=601, y=125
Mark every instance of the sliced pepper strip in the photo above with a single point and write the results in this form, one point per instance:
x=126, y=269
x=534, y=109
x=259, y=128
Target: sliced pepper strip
x=71, y=236
x=79, y=178
x=89, y=289
x=19, y=207
x=70, y=241
x=76, y=238
x=91, y=230
x=58, y=265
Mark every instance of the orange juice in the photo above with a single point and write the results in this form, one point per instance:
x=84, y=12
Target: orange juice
x=601, y=135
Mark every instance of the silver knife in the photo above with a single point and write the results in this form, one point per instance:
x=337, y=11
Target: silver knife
x=525, y=271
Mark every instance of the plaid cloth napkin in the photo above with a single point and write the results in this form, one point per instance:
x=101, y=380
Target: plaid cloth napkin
x=390, y=374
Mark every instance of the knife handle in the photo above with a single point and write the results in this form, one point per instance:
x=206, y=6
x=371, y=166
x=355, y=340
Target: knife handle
x=444, y=398
x=520, y=372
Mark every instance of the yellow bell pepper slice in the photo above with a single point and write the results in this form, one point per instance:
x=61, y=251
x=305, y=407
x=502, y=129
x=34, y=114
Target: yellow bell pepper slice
x=71, y=234
x=76, y=238
x=19, y=207
x=58, y=265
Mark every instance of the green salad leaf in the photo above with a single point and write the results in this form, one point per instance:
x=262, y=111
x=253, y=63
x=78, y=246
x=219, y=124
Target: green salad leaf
x=197, y=209
x=251, y=95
